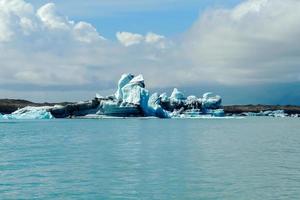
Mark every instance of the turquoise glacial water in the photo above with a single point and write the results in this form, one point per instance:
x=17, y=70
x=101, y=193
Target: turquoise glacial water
x=252, y=158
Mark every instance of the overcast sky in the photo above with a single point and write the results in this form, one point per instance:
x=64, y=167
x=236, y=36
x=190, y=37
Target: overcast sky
x=247, y=51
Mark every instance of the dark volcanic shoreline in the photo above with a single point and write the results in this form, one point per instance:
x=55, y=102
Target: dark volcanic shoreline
x=7, y=106
x=238, y=109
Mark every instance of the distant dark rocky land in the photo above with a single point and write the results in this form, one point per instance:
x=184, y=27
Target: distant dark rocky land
x=8, y=106
x=238, y=109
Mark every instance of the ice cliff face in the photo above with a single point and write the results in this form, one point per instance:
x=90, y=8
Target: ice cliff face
x=134, y=92
x=131, y=99
x=125, y=79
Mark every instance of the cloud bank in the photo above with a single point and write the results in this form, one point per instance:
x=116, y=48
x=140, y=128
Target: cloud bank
x=255, y=42
x=44, y=47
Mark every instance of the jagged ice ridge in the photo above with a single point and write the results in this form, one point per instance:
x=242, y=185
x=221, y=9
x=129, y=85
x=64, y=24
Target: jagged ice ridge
x=131, y=99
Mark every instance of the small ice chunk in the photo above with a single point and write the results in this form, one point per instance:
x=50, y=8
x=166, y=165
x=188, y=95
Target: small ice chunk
x=277, y=113
x=138, y=80
x=211, y=101
x=192, y=102
x=218, y=113
x=30, y=113
x=191, y=98
x=98, y=96
x=177, y=95
x=164, y=97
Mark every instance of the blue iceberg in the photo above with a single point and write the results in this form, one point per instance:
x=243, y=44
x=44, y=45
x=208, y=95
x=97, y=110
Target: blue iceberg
x=30, y=113
x=134, y=92
x=154, y=108
x=125, y=79
x=131, y=99
x=211, y=101
x=177, y=96
x=131, y=93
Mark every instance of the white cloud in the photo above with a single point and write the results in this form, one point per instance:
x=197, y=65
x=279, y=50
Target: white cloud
x=248, y=8
x=13, y=13
x=85, y=32
x=18, y=20
x=44, y=48
x=39, y=47
x=255, y=42
x=51, y=18
x=129, y=39
x=27, y=25
x=153, y=38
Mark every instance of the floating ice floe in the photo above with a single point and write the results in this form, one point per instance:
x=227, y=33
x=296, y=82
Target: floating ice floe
x=30, y=113
x=268, y=113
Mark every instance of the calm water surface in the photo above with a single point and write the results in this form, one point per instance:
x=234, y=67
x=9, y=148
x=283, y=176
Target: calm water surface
x=253, y=158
